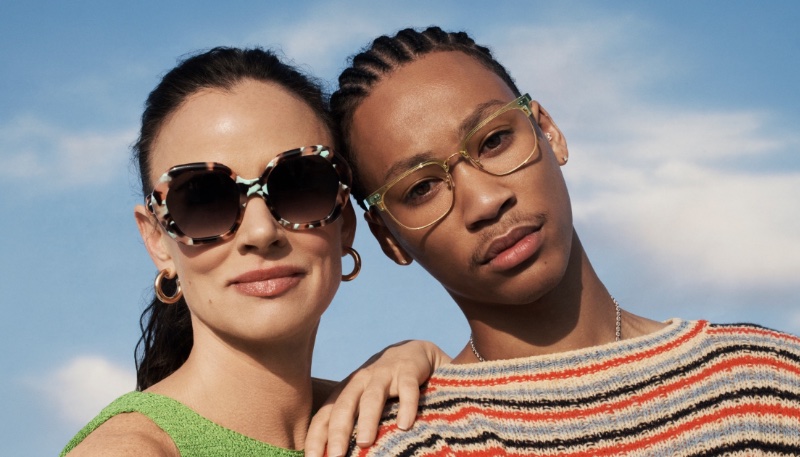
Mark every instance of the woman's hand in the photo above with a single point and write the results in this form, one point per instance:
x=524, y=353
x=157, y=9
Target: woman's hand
x=396, y=371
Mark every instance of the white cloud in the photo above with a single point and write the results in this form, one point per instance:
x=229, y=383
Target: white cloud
x=663, y=134
x=700, y=225
x=588, y=69
x=316, y=41
x=319, y=40
x=58, y=158
x=80, y=388
x=324, y=36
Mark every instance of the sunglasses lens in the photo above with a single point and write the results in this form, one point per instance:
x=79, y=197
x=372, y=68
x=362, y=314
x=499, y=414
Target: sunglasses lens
x=203, y=203
x=303, y=189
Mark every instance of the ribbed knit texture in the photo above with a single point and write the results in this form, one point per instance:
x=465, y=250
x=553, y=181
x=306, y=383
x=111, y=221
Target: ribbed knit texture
x=193, y=434
x=690, y=389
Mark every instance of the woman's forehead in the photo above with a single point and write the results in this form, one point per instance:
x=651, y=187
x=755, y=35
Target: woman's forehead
x=244, y=128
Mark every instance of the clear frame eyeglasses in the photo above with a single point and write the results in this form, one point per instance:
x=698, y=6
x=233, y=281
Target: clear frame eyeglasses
x=500, y=144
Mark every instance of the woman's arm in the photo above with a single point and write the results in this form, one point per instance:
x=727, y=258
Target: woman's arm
x=396, y=371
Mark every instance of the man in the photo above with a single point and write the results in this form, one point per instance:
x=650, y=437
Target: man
x=460, y=172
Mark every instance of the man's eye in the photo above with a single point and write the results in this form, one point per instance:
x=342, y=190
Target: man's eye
x=496, y=143
x=422, y=191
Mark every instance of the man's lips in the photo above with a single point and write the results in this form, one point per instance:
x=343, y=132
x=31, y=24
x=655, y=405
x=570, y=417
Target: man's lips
x=511, y=249
x=268, y=282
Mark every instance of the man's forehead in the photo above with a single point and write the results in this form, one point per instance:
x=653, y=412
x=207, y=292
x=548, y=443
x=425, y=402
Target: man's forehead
x=433, y=77
x=422, y=106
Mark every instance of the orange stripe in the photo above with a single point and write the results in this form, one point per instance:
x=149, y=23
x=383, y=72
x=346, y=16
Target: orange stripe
x=663, y=390
x=616, y=448
x=718, y=415
x=563, y=374
x=493, y=451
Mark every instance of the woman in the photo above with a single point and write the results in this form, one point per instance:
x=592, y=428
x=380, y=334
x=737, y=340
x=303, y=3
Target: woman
x=246, y=217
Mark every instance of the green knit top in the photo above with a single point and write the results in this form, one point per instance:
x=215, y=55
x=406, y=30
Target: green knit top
x=193, y=434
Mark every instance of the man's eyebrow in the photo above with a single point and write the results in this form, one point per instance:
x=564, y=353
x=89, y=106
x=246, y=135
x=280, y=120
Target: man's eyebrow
x=478, y=115
x=406, y=164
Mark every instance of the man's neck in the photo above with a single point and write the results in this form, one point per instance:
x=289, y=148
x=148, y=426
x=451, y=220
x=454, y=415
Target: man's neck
x=577, y=313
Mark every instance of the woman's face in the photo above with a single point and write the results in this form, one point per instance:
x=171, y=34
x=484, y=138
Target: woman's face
x=267, y=283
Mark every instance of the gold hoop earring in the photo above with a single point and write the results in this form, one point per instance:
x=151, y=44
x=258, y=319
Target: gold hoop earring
x=356, y=264
x=162, y=297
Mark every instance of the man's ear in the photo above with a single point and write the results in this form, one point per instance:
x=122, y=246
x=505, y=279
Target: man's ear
x=388, y=242
x=552, y=134
x=154, y=239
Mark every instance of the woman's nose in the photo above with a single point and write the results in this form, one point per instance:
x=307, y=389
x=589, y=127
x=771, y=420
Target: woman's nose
x=259, y=229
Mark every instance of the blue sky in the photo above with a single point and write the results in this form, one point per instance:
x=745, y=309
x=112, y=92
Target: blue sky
x=682, y=120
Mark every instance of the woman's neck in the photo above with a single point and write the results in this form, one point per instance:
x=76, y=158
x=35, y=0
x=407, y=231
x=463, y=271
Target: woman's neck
x=267, y=396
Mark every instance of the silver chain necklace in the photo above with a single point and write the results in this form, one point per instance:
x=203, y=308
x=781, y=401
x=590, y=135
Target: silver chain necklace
x=617, y=330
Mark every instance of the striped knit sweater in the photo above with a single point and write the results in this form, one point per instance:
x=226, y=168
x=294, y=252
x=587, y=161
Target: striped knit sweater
x=690, y=389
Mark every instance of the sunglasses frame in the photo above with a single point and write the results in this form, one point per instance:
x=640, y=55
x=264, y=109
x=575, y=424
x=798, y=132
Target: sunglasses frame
x=156, y=202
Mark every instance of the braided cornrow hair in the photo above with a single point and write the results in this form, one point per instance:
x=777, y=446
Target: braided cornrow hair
x=382, y=57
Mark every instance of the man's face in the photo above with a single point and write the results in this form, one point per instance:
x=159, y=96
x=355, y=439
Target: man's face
x=507, y=239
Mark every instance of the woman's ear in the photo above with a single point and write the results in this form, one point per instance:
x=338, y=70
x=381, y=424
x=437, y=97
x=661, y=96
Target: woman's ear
x=348, y=225
x=552, y=134
x=154, y=239
x=388, y=242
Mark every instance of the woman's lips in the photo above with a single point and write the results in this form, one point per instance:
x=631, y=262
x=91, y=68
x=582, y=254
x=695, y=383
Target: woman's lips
x=513, y=248
x=269, y=282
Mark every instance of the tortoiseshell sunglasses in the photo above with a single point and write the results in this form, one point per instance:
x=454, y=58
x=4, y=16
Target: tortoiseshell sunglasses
x=200, y=203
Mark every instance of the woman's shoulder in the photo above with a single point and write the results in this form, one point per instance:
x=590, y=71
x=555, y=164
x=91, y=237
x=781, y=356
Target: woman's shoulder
x=126, y=434
x=127, y=426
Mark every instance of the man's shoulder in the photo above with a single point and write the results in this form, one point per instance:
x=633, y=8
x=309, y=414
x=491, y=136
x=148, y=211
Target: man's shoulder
x=752, y=334
x=753, y=347
x=726, y=364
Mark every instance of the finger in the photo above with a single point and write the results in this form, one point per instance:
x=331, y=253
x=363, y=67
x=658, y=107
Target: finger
x=318, y=432
x=408, y=391
x=370, y=410
x=342, y=418
x=339, y=441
